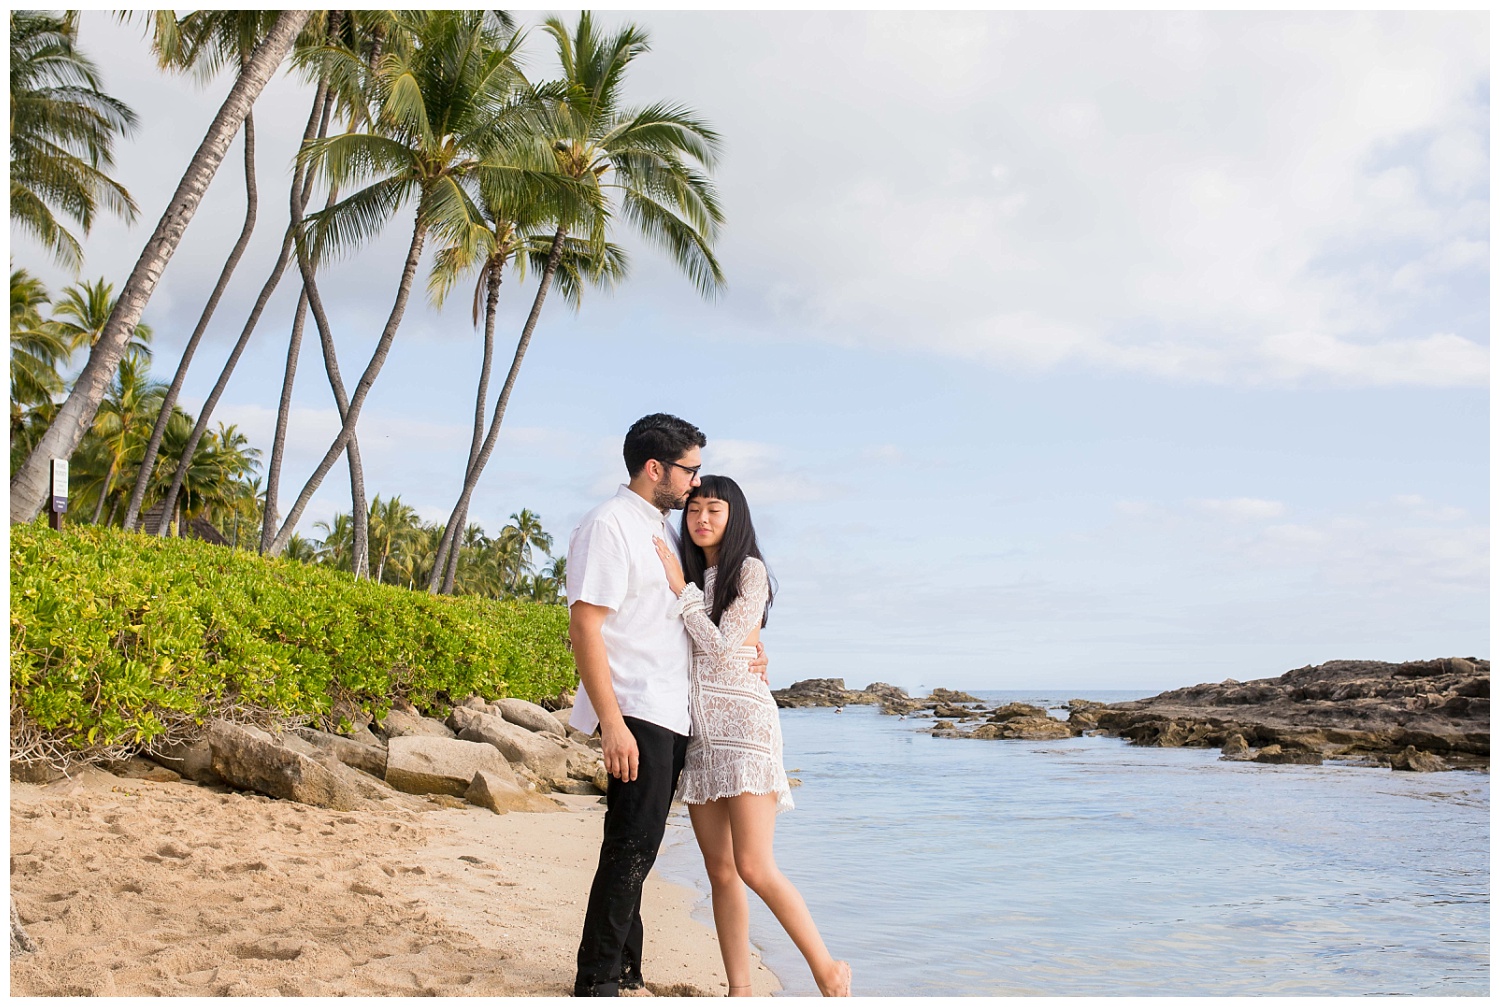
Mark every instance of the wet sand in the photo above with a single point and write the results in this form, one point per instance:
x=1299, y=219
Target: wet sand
x=132, y=888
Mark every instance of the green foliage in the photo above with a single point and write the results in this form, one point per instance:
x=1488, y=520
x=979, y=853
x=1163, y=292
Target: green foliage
x=120, y=639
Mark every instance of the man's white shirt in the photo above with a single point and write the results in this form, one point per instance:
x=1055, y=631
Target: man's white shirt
x=612, y=562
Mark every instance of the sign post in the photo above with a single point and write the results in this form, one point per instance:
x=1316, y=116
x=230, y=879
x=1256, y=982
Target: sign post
x=59, y=504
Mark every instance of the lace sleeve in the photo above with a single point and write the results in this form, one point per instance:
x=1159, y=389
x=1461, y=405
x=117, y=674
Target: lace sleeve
x=739, y=622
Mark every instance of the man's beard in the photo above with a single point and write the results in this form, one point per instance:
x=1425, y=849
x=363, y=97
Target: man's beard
x=663, y=499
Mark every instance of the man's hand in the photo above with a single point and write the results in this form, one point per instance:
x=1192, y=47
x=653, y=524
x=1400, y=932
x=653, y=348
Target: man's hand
x=622, y=758
x=761, y=663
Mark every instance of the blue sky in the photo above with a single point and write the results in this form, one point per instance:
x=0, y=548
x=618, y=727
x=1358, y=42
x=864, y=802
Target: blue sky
x=1077, y=351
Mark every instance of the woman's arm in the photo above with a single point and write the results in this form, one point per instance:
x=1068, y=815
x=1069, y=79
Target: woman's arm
x=742, y=619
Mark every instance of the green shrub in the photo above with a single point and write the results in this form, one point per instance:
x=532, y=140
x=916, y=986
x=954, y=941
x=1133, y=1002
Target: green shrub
x=119, y=640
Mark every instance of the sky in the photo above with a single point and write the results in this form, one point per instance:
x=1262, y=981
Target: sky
x=1064, y=351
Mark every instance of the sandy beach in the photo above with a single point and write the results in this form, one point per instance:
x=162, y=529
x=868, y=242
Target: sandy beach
x=134, y=888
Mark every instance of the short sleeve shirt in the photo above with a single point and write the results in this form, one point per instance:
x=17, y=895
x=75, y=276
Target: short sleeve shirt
x=612, y=562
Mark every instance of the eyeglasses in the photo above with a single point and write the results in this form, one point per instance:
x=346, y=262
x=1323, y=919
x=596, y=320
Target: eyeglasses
x=692, y=470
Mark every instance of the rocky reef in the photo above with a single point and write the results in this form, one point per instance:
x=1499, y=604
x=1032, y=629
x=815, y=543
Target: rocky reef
x=1420, y=716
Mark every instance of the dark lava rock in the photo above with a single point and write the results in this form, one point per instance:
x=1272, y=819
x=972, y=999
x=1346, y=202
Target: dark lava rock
x=1341, y=709
x=831, y=692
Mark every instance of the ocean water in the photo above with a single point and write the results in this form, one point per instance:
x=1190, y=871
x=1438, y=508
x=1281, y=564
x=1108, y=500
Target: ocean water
x=950, y=867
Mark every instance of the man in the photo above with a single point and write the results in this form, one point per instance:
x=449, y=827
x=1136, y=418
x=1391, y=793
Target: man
x=634, y=658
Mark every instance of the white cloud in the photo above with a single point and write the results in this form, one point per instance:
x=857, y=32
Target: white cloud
x=1242, y=508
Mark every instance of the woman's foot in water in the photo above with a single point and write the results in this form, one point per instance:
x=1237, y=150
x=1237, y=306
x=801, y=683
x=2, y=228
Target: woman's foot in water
x=836, y=983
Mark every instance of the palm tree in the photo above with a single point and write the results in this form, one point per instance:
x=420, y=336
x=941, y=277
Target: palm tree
x=336, y=547
x=437, y=112
x=62, y=133
x=132, y=399
x=495, y=236
x=649, y=165
x=394, y=528
x=82, y=312
x=28, y=485
x=300, y=549
x=38, y=348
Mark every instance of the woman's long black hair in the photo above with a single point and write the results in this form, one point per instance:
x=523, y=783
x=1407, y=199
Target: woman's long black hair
x=739, y=542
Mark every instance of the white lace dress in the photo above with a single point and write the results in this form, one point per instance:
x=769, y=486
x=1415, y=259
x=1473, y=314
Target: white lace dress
x=735, y=747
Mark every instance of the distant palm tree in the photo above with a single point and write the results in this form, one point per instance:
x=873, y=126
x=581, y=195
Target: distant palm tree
x=38, y=348
x=131, y=402
x=394, y=528
x=82, y=311
x=300, y=549
x=28, y=485
x=62, y=134
x=336, y=548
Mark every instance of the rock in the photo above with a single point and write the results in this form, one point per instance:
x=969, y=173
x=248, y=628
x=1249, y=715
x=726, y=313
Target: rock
x=1411, y=760
x=1354, y=710
x=1042, y=728
x=579, y=788
x=544, y=754
x=249, y=759
x=476, y=703
x=1236, y=749
x=191, y=759
x=949, y=710
x=1275, y=755
x=34, y=772
x=138, y=767
x=949, y=696
x=943, y=725
x=502, y=794
x=367, y=758
x=585, y=739
x=987, y=731
x=426, y=765
x=1012, y=710
x=399, y=723
x=528, y=715
x=563, y=716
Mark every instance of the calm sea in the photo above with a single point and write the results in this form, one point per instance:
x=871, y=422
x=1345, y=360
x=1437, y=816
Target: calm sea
x=1086, y=866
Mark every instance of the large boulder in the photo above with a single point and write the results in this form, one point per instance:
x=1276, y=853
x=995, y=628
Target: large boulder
x=1036, y=728
x=1412, y=760
x=1011, y=711
x=252, y=760
x=425, y=765
x=192, y=759
x=527, y=715
x=368, y=758
x=400, y=723
x=545, y=755
x=501, y=795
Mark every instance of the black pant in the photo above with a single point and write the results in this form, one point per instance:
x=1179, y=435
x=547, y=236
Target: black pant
x=634, y=824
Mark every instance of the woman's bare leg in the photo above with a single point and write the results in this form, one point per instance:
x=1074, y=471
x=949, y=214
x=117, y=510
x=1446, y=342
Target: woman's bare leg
x=752, y=822
x=731, y=908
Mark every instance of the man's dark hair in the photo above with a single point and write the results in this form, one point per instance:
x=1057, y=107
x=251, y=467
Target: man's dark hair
x=659, y=436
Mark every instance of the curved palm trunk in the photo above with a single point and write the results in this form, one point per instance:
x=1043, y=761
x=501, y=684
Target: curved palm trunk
x=360, y=518
x=299, y=200
x=445, y=564
x=362, y=389
x=153, y=445
x=471, y=478
x=28, y=487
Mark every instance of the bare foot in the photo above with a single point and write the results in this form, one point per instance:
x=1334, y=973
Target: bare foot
x=838, y=981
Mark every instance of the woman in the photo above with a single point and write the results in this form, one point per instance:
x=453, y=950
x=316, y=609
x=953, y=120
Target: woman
x=734, y=783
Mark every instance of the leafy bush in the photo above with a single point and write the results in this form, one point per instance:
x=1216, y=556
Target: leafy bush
x=119, y=640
